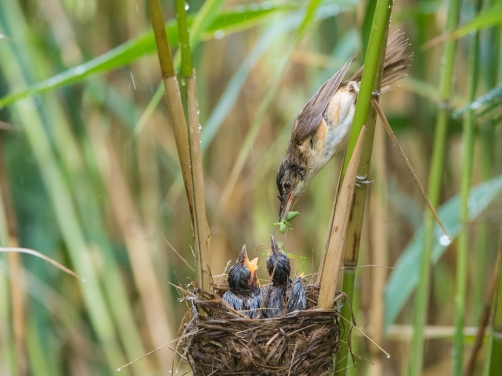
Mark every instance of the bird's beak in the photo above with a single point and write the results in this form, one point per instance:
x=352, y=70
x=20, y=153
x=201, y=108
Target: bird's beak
x=286, y=205
x=253, y=266
x=274, y=247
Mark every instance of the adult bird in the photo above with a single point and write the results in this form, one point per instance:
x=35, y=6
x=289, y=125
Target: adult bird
x=244, y=292
x=322, y=127
x=281, y=295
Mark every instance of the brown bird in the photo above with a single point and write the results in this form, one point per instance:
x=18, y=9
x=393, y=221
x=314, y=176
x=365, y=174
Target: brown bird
x=322, y=127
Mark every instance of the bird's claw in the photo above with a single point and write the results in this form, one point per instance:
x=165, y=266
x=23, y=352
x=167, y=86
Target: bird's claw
x=361, y=180
x=378, y=93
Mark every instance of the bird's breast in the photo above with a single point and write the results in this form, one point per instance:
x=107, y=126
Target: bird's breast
x=338, y=117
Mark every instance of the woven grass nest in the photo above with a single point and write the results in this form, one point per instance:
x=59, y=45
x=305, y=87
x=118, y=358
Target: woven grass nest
x=222, y=341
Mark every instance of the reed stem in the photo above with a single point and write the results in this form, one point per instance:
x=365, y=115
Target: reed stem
x=365, y=114
x=187, y=136
x=465, y=188
x=434, y=188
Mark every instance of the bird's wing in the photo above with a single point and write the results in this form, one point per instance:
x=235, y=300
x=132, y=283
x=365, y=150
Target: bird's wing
x=233, y=300
x=310, y=116
x=275, y=302
x=255, y=302
x=396, y=61
x=298, y=298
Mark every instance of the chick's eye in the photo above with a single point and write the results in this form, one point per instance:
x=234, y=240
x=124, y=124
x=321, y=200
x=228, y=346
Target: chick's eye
x=286, y=185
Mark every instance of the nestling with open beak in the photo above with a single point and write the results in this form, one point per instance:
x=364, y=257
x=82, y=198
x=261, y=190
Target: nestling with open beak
x=244, y=293
x=322, y=127
x=282, y=295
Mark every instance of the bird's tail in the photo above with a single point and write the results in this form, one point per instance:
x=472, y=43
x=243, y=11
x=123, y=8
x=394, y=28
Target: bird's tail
x=396, y=61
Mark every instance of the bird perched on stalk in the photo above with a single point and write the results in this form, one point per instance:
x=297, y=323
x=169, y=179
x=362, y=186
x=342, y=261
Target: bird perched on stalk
x=322, y=127
x=244, y=291
x=282, y=295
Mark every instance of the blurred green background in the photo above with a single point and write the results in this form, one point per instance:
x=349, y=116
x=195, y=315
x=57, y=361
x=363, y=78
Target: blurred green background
x=89, y=175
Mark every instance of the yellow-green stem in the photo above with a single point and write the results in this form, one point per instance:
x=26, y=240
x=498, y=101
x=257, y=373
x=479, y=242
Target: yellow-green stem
x=434, y=188
x=465, y=188
x=188, y=153
x=365, y=114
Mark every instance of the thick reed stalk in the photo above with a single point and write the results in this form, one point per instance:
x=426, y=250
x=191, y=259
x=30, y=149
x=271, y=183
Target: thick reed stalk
x=365, y=114
x=496, y=345
x=378, y=254
x=465, y=188
x=434, y=188
x=190, y=162
x=201, y=226
x=333, y=258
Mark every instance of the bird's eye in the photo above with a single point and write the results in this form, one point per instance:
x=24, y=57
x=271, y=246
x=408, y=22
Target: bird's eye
x=286, y=185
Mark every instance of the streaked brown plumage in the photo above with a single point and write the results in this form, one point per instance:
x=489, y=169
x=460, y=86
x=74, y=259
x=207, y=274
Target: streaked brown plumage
x=322, y=127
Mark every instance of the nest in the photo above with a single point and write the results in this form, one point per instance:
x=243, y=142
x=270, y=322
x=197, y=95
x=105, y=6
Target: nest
x=221, y=341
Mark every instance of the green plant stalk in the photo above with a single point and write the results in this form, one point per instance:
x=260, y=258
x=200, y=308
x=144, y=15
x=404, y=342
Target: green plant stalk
x=365, y=114
x=201, y=226
x=163, y=49
x=372, y=64
x=186, y=54
x=337, y=234
x=465, y=187
x=366, y=26
x=436, y=171
x=496, y=342
x=187, y=159
x=353, y=235
x=342, y=358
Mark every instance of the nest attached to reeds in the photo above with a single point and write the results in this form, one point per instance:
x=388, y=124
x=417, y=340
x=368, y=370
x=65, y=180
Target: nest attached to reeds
x=221, y=341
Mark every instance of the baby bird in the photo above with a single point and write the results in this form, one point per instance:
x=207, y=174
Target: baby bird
x=296, y=296
x=244, y=293
x=282, y=295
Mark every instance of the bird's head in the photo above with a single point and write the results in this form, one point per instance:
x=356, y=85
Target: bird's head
x=290, y=183
x=278, y=263
x=242, y=275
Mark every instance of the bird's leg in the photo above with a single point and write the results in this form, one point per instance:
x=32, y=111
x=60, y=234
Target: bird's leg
x=355, y=86
x=361, y=180
x=378, y=93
